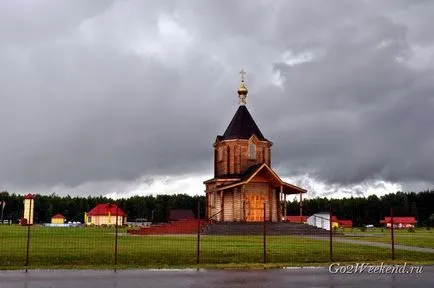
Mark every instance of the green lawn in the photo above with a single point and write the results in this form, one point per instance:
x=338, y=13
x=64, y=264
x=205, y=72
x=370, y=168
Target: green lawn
x=420, y=237
x=94, y=248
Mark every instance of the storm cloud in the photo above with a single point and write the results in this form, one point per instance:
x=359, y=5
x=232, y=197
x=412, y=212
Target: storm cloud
x=117, y=91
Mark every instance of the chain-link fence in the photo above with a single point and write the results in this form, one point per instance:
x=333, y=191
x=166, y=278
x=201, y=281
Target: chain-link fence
x=195, y=242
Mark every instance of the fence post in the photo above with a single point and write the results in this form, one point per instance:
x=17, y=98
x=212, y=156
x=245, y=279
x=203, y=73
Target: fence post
x=331, y=236
x=198, y=234
x=28, y=234
x=391, y=230
x=116, y=237
x=265, y=236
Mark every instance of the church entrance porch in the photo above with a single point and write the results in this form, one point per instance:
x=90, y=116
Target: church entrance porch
x=245, y=201
x=242, y=204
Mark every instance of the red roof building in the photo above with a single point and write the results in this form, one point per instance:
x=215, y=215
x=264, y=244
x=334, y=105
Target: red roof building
x=105, y=210
x=58, y=216
x=399, y=222
x=105, y=214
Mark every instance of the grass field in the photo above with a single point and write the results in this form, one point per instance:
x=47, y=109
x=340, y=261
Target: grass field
x=419, y=237
x=94, y=248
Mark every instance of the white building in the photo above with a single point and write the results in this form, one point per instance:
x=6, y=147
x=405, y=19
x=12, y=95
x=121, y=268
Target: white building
x=320, y=220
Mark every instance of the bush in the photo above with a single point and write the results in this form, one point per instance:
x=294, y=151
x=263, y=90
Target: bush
x=363, y=229
x=411, y=230
x=428, y=228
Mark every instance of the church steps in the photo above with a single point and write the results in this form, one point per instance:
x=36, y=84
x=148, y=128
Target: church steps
x=257, y=228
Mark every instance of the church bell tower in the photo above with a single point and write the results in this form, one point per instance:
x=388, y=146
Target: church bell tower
x=242, y=145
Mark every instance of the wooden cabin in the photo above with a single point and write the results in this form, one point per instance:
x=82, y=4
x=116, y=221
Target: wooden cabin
x=244, y=183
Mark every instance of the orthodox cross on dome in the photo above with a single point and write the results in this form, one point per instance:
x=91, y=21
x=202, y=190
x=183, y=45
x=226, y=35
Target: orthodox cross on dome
x=242, y=73
x=242, y=91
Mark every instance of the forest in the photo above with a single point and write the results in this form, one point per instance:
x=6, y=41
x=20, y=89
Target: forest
x=361, y=210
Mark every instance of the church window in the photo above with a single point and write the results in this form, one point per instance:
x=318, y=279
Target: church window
x=252, y=151
x=220, y=154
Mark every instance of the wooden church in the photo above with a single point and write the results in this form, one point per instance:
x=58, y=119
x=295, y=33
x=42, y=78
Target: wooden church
x=244, y=183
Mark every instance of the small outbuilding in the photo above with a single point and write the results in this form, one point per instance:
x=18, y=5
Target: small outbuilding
x=322, y=220
x=58, y=219
x=105, y=214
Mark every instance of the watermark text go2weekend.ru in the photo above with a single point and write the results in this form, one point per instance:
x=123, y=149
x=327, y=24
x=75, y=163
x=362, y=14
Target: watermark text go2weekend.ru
x=337, y=268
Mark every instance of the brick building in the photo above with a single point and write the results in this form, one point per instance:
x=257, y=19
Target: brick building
x=243, y=178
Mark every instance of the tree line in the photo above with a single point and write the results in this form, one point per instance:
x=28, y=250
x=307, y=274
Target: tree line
x=152, y=208
x=361, y=210
x=372, y=209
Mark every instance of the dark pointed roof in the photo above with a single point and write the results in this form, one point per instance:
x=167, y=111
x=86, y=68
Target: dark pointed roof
x=242, y=126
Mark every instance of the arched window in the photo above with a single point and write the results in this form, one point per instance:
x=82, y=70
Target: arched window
x=252, y=150
x=220, y=154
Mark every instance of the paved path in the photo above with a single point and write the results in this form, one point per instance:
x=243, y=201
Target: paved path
x=305, y=277
x=377, y=244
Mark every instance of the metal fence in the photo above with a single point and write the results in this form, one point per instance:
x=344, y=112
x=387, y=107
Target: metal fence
x=206, y=242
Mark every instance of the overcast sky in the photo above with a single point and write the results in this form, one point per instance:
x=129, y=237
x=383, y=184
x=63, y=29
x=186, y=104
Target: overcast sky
x=126, y=97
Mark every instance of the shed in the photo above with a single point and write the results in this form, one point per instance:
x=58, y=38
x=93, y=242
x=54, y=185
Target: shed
x=58, y=219
x=322, y=220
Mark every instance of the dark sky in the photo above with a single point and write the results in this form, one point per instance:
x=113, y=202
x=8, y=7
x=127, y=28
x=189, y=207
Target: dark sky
x=126, y=97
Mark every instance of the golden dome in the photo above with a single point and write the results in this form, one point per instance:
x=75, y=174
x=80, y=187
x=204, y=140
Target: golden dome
x=243, y=89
